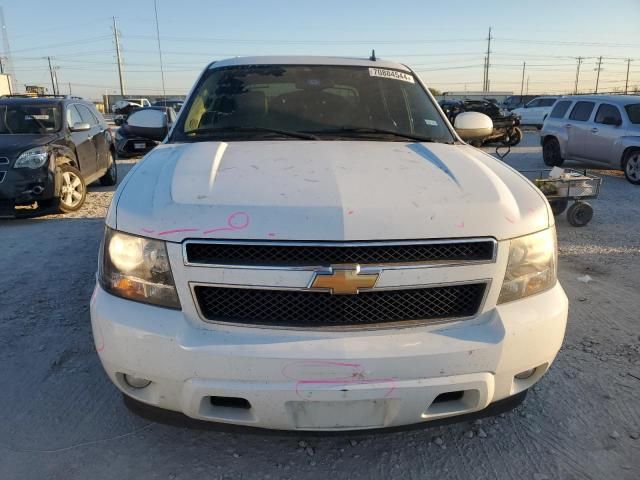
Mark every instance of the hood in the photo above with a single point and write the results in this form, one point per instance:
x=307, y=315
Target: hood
x=14, y=145
x=325, y=190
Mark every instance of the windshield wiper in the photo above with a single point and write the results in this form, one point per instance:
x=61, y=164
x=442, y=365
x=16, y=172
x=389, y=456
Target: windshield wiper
x=213, y=130
x=374, y=131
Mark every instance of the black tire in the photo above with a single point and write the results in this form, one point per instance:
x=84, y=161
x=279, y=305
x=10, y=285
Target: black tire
x=111, y=177
x=72, y=185
x=631, y=166
x=551, y=153
x=476, y=143
x=579, y=214
x=513, y=138
x=558, y=206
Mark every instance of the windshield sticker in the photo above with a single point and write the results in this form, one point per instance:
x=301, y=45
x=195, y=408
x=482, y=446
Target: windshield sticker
x=381, y=72
x=430, y=122
x=36, y=117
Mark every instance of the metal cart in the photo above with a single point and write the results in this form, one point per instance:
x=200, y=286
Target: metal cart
x=575, y=185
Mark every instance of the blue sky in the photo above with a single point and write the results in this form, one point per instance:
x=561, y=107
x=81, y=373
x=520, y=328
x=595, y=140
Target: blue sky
x=444, y=41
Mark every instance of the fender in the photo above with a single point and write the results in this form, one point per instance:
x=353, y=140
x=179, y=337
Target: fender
x=623, y=144
x=61, y=155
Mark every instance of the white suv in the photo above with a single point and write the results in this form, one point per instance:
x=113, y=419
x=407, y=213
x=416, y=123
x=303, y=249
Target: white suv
x=313, y=247
x=536, y=111
x=603, y=130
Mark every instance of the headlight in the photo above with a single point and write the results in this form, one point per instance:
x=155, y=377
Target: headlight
x=531, y=267
x=34, y=158
x=137, y=268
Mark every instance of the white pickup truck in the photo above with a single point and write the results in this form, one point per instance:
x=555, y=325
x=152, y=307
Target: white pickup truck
x=314, y=247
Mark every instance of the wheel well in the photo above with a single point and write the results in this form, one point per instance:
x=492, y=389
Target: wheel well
x=625, y=153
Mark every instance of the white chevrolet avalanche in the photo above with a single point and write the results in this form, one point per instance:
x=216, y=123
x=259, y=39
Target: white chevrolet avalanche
x=313, y=247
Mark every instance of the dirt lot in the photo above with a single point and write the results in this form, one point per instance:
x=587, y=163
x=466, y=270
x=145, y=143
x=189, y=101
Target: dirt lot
x=62, y=419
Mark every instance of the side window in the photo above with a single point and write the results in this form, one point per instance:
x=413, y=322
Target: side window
x=87, y=116
x=73, y=116
x=547, y=102
x=534, y=103
x=560, y=109
x=581, y=111
x=607, y=111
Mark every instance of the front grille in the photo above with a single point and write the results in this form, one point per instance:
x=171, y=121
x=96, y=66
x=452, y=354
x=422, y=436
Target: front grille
x=299, y=254
x=286, y=308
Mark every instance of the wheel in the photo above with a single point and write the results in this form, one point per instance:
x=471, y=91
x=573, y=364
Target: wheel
x=551, y=153
x=558, y=206
x=111, y=177
x=513, y=138
x=631, y=166
x=73, y=190
x=579, y=214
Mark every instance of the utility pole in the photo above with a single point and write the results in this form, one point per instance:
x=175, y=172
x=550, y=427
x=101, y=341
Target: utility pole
x=484, y=74
x=1, y=64
x=527, y=88
x=488, y=62
x=155, y=6
x=626, y=82
x=53, y=80
x=524, y=66
x=598, y=75
x=118, y=56
x=8, y=64
x=575, y=88
x=69, y=88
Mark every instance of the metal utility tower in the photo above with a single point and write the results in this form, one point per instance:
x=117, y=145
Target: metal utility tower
x=524, y=66
x=155, y=6
x=485, y=85
x=54, y=79
x=116, y=34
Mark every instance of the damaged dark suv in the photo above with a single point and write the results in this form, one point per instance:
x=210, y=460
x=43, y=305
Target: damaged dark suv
x=51, y=148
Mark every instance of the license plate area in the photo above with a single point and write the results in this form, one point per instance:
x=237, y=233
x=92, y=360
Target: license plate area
x=339, y=415
x=139, y=146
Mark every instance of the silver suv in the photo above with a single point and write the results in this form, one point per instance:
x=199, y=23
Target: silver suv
x=603, y=130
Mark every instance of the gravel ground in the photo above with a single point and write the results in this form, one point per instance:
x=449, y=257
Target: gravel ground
x=62, y=419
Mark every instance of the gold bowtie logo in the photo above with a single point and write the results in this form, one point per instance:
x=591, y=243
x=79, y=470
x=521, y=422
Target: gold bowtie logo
x=344, y=281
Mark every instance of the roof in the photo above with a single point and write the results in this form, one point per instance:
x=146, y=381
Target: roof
x=308, y=60
x=40, y=100
x=615, y=99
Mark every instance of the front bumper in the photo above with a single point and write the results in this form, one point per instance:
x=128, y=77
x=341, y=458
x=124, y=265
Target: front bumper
x=311, y=380
x=25, y=192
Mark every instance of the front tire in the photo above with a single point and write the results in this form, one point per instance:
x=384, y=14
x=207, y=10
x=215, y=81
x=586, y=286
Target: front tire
x=111, y=177
x=73, y=191
x=631, y=166
x=551, y=153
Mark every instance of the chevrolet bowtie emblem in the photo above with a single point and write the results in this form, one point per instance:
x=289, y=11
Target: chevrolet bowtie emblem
x=344, y=280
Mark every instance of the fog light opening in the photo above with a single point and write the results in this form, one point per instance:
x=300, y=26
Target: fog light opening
x=135, y=382
x=526, y=374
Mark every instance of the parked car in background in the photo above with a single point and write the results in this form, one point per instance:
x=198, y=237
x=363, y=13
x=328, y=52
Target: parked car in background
x=176, y=104
x=122, y=108
x=534, y=112
x=517, y=101
x=131, y=141
x=603, y=130
x=505, y=124
x=271, y=264
x=50, y=150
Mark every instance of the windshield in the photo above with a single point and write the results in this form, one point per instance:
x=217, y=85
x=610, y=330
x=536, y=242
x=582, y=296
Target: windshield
x=33, y=119
x=328, y=102
x=633, y=111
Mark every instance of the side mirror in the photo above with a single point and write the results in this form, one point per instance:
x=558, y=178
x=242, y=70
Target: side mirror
x=80, y=127
x=148, y=123
x=612, y=121
x=473, y=125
